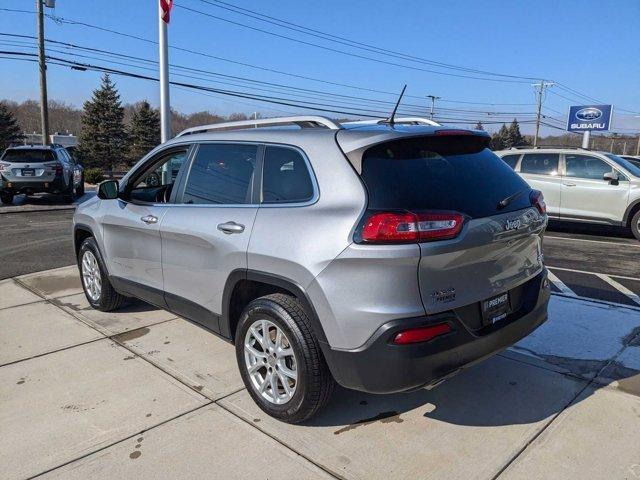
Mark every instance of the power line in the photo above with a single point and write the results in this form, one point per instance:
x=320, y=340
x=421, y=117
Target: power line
x=342, y=52
x=348, y=42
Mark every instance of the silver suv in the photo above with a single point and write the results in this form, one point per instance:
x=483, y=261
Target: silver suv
x=385, y=257
x=582, y=185
x=33, y=169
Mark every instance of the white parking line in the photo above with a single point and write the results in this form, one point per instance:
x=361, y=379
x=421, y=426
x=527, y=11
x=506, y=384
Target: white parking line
x=621, y=288
x=571, y=239
x=560, y=285
x=592, y=273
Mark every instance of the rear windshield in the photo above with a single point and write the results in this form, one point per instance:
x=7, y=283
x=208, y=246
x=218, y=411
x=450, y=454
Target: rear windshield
x=27, y=156
x=441, y=173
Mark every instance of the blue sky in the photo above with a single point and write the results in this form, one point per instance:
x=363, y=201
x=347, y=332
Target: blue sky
x=589, y=46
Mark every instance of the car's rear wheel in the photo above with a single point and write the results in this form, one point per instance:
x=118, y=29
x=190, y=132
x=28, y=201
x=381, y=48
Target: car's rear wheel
x=280, y=360
x=95, y=281
x=80, y=188
x=6, y=198
x=635, y=225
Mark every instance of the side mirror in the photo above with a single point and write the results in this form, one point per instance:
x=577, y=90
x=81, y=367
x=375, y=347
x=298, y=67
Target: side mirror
x=108, y=190
x=612, y=177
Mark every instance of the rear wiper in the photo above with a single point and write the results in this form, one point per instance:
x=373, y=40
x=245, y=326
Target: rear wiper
x=504, y=203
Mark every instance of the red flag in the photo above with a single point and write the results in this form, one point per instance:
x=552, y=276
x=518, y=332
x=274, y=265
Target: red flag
x=166, y=6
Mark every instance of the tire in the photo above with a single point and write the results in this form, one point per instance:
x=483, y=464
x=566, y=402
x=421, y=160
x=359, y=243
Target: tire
x=313, y=385
x=635, y=225
x=6, y=198
x=80, y=188
x=107, y=299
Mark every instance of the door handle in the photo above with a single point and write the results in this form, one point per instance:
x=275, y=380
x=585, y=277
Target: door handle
x=569, y=184
x=149, y=219
x=231, y=227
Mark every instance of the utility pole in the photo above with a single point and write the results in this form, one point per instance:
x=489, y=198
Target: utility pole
x=433, y=103
x=540, y=94
x=164, y=10
x=44, y=106
x=638, y=147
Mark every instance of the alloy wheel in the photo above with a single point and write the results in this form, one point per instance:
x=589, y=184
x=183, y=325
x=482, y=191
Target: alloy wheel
x=91, y=278
x=270, y=362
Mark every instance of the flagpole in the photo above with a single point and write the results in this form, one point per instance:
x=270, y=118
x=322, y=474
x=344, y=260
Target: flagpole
x=165, y=109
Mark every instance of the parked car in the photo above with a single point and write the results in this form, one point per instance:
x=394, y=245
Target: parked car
x=383, y=257
x=33, y=169
x=582, y=185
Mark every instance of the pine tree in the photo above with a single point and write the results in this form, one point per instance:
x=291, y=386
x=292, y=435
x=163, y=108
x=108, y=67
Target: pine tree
x=103, y=138
x=514, y=138
x=499, y=139
x=144, y=131
x=10, y=131
x=479, y=126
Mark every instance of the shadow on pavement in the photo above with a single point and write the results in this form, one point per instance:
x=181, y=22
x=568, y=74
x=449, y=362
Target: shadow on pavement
x=589, y=229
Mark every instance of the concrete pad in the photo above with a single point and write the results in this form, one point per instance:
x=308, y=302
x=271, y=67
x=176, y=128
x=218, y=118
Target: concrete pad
x=130, y=317
x=38, y=328
x=468, y=427
x=58, y=407
x=209, y=443
x=579, y=337
x=54, y=283
x=13, y=294
x=598, y=437
x=624, y=372
x=190, y=353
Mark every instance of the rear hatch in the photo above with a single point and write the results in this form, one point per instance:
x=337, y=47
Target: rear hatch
x=30, y=164
x=479, y=224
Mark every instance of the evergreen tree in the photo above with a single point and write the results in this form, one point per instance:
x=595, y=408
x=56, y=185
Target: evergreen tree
x=479, y=126
x=10, y=131
x=103, y=137
x=144, y=131
x=498, y=139
x=513, y=136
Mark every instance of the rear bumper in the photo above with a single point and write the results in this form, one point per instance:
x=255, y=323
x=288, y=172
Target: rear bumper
x=382, y=367
x=55, y=185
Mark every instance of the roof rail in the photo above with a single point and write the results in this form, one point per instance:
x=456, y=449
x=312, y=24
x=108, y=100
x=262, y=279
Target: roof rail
x=303, y=121
x=399, y=120
x=542, y=147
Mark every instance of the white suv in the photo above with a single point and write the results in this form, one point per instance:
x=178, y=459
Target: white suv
x=581, y=185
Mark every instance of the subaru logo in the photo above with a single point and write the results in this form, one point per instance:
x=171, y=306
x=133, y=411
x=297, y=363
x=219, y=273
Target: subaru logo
x=588, y=114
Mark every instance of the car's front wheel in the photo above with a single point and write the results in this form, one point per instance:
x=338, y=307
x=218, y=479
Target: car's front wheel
x=280, y=360
x=6, y=198
x=635, y=225
x=95, y=282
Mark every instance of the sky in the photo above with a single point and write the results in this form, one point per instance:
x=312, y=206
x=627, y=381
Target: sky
x=587, y=46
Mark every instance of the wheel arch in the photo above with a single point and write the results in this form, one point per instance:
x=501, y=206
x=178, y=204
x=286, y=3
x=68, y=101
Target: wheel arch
x=630, y=212
x=243, y=286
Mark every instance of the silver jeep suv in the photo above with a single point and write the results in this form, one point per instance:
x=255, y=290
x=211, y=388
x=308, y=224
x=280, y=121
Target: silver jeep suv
x=582, y=185
x=384, y=257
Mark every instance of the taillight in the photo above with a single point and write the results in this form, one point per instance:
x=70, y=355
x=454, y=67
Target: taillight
x=58, y=169
x=537, y=200
x=453, y=132
x=408, y=227
x=421, y=334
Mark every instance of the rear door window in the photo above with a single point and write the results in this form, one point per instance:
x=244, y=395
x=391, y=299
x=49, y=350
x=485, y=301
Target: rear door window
x=455, y=173
x=586, y=166
x=221, y=174
x=511, y=160
x=285, y=177
x=28, y=156
x=540, y=163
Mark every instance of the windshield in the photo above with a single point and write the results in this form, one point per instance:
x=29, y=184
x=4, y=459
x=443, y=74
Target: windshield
x=441, y=173
x=27, y=156
x=631, y=168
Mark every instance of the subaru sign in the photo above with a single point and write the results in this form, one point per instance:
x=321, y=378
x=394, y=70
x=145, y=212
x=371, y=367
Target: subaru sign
x=585, y=118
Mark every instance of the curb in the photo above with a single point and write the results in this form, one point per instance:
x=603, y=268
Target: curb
x=21, y=209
